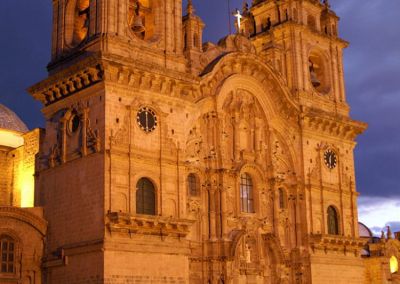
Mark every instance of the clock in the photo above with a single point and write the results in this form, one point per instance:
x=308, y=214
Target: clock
x=147, y=119
x=330, y=159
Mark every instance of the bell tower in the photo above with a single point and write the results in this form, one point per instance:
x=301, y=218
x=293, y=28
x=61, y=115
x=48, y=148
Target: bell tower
x=193, y=28
x=122, y=28
x=112, y=80
x=300, y=39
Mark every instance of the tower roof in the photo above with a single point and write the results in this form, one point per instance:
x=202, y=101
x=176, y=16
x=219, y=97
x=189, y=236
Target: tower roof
x=10, y=121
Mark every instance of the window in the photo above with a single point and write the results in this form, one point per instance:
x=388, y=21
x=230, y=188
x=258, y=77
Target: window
x=7, y=249
x=246, y=193
x=394, y=264
x=193, y=185
x=333, y=221
x=145, y=197
x=282, y=199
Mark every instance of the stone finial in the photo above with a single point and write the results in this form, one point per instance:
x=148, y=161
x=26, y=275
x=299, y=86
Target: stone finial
x=383, y=238
x=327, y=4
x=245, y=8
x=389, y=233
x=190, y=9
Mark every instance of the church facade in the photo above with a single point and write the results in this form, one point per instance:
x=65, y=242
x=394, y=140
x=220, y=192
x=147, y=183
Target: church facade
x=166, y=160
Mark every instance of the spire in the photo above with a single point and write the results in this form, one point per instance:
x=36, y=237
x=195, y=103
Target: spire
x=383, y=238
x=190, y=9
x=389, y=233
x=327, y=4
x=245, y=8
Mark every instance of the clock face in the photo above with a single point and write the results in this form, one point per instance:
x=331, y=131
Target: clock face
x=147, y=119
x=330, y=159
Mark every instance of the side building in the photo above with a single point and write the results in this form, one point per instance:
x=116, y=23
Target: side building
x=22, y=227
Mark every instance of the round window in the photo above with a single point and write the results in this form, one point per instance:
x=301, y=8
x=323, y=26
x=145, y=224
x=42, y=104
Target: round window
x=147, y=119
x=74, y=123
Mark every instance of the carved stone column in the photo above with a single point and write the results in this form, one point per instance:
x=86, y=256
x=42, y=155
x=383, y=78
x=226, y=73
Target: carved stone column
x=212, y=213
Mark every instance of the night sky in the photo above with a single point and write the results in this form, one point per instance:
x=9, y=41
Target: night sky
x=372, y=70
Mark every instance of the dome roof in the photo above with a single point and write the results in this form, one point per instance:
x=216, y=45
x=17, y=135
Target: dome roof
x=364, y=231
x=10, y=121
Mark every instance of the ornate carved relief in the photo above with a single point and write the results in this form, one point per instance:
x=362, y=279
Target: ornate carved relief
x=74, y=136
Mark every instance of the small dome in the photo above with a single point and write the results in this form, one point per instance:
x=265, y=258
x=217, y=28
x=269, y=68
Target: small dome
x=10, y=121
x=364, y=231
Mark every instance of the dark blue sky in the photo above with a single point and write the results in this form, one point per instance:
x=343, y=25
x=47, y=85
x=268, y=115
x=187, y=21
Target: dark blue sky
x=372, y=68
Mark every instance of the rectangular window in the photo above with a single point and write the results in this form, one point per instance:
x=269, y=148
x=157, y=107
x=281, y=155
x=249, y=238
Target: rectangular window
x=7, y=255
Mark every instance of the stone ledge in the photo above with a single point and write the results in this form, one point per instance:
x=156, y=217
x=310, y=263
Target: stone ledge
x=148, y=225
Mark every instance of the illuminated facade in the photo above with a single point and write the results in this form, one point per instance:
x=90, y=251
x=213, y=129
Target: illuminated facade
x=165, y=160
x=22, y=227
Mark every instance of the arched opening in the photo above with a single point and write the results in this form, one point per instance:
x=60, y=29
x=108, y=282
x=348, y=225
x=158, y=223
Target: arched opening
x=141, y=18
x=394, y=264
x=333, y=221
x=145, y=197
x=319, y=73
x=193, y=185
x=7, y=252
x=77, y=22
x=282, y=198
x=246, y=193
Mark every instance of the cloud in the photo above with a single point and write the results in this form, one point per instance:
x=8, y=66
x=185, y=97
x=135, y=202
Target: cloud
x=378, y=212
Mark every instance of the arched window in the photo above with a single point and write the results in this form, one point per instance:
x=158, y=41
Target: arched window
x=145, y=197
x=282, y=198
x=77, y=21
x=246, y=193
x=333, y=221
x=394, y=264
x=196, y=40
x=7, y=252
x=193, y=185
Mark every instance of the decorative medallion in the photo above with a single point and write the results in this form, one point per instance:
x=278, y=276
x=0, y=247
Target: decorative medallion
x=330, y=159
x=147, y=119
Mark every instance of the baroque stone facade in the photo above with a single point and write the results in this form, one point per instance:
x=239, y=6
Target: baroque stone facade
x=166, y=160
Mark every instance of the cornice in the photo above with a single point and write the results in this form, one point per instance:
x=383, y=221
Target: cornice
x=332, y=125
x=62, y=84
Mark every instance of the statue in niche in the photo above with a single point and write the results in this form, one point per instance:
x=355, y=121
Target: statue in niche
x=53, y=156
x=247, y=254
x=94, y=140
